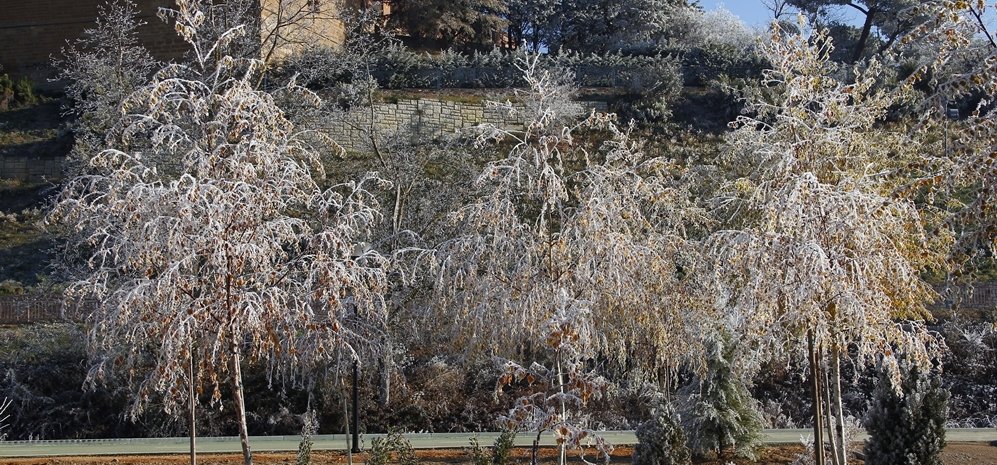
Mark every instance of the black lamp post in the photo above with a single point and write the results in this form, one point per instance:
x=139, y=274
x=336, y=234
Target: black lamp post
x=356, y=407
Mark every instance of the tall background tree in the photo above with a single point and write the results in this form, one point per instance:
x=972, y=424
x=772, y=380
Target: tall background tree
x=890, y=18
x=439, y=24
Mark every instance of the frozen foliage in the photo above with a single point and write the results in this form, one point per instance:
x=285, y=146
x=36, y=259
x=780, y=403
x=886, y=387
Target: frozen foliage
x=393, y=447
x=560, y=393
x=4, y=418
x=101, y=68
x=661, y=440
x=239, y=255
x=819, y=255
x=960, y=39
x=590, y=217
x=694, y=28
x=906, y=422
x=499, y=454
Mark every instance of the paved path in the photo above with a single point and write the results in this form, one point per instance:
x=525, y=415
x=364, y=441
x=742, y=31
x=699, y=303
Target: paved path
x=339, y=442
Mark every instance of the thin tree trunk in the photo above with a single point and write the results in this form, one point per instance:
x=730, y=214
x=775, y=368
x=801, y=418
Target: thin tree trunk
x=191, y=417
x=815, y=395
x=828, y=411
x=561, y=459
x=240, y=406
x=535, y=452
x=346, y=421
x=837, y=409
x=387, y=365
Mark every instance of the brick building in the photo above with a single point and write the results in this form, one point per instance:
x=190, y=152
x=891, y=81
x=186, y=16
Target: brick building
x=33, y=31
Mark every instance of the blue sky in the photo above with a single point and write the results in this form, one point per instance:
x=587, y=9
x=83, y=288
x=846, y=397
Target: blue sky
x=755, y=14
x=751, y=11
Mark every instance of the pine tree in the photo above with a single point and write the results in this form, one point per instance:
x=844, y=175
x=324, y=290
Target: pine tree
x=661, y=440
x=718, y=409
x=906, y=423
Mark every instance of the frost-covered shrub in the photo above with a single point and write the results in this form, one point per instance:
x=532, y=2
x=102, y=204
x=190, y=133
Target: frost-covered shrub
x=652, y=92
x=498, y=454
x=661, y=441
x=906, y=423
x=971, y=371
x=717, y=59
x=309, y=428
x=393, y=447
x=395, y=66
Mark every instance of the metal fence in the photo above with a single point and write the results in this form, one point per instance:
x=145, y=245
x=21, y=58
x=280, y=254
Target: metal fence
x=27, y=309
x=978, y=296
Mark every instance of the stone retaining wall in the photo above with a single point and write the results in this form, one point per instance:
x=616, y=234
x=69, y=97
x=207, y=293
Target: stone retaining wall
x=424, y=118
x=428, y=119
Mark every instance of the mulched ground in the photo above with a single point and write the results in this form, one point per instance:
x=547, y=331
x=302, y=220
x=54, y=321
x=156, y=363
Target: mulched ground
x=954, y=454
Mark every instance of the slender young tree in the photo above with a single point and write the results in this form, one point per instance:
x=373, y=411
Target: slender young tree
x=590, y=216
x=820, y=258
x=102, y=67
x=235, y=257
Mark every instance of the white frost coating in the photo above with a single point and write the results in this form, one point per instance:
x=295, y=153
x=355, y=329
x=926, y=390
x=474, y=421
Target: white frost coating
x=238, y=255
x=820, y=248
x=575, y=208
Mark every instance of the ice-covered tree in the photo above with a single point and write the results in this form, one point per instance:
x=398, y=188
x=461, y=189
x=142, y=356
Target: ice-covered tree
x=100, y=69
x=530, y=22
x=601, y=26
x=237, y=256
x=820, y=258
x=573, y=207
x=717, y=408
x=958, y=41
x=688, y=28
x=559, y=392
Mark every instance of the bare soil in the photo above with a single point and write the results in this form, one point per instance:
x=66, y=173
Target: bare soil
x=954, y=454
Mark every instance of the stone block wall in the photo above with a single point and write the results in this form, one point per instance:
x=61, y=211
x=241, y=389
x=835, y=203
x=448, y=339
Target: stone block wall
x=424, y=118
x=428, y=119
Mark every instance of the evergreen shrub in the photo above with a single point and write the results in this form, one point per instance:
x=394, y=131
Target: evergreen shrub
x=906, y=423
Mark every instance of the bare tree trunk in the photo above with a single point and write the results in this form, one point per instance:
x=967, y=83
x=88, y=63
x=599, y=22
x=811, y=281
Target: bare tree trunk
x=837, y=409
x=828, y=411
x=815, y=395
x=560, y=381
x=346, y=421
x=864, y=37
x=191, y=417
x=387, y=364
x=240, y=405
